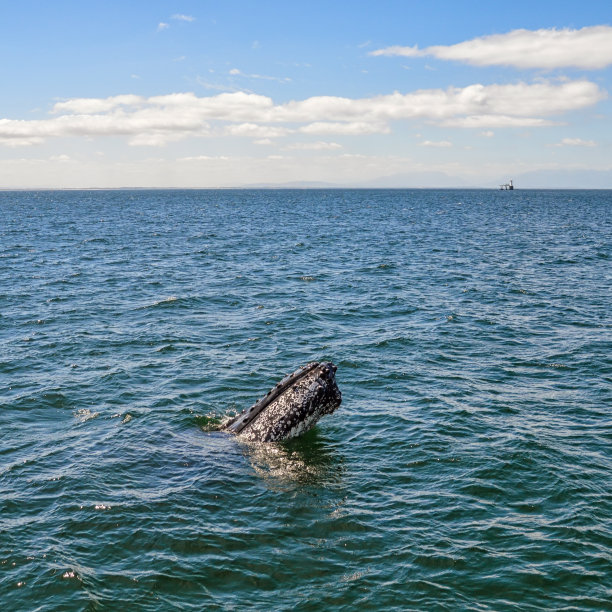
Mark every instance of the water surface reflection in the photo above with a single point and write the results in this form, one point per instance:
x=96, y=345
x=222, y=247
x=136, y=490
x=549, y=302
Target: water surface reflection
x=308, y=460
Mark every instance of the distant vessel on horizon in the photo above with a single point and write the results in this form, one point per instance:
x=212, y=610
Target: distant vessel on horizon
x=507, y=186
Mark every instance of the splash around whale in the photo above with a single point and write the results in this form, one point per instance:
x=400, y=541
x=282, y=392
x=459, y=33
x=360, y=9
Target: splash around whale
x=292, y=407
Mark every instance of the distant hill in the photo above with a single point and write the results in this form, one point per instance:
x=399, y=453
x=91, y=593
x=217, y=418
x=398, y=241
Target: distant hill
x=292, y=185
x=538, y=179
x=392, y=181
x=414, y=180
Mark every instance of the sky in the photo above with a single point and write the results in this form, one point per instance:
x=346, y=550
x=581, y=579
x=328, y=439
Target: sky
x=202, y=94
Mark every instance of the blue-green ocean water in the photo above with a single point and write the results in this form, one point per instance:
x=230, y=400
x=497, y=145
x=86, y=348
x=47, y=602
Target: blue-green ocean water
x=468, y=468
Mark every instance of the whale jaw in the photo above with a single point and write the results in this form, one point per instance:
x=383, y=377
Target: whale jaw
x=292, y=407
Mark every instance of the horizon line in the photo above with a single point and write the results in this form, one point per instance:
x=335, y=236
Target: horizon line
x=300, y=188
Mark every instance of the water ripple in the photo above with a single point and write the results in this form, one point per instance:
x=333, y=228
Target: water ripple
x=467, y=468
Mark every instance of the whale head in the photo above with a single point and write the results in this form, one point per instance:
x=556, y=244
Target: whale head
x=292, y=407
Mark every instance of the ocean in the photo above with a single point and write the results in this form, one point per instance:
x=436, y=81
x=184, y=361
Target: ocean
x=469, y=466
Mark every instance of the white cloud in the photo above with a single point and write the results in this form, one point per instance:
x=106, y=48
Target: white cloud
x=516, y=100
x=159, y=119
x=158, y=138
x=314, y=146
x=19, y=141
x=199, y=158
x=216, y=86
x=349, y=128
x=589, y=48
x=237, y=72
x=575, y=142
x=253, y=130
x=496, y=121
x=96, y=105
x=488, y=133
x=399, y=50
x=162, y=26
x=179, y=17
x=442, y=144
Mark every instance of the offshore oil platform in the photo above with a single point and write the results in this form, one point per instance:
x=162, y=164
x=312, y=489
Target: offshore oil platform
x=507, y=186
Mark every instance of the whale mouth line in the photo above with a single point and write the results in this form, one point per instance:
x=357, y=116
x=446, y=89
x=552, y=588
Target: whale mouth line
x=242, y=420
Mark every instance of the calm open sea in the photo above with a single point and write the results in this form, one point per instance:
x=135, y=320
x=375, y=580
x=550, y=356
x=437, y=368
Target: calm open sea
x=468, y=468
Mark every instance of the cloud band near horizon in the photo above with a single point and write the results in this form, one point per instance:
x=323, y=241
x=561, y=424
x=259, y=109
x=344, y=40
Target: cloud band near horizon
x=157, y=120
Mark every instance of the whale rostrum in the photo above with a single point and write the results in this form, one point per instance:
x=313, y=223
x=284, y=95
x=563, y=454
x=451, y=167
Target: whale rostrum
x=292, y=407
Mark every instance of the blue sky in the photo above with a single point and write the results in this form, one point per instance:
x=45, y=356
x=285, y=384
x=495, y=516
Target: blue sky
x=203, y=94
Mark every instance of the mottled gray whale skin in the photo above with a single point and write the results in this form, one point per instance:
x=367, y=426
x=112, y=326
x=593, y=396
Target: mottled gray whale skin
x=292, y=407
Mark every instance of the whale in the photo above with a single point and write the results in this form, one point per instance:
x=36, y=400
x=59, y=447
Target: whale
x=290, y=408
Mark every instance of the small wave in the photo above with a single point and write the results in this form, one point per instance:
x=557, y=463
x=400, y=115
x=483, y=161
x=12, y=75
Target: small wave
x=167, y=348
x=85, y=414
x=212, y=422
x=395, y=341
x=96, y=240
x=167, y=300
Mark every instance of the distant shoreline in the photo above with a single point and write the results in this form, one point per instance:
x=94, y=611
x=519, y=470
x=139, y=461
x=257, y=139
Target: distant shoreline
x=287, y=188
